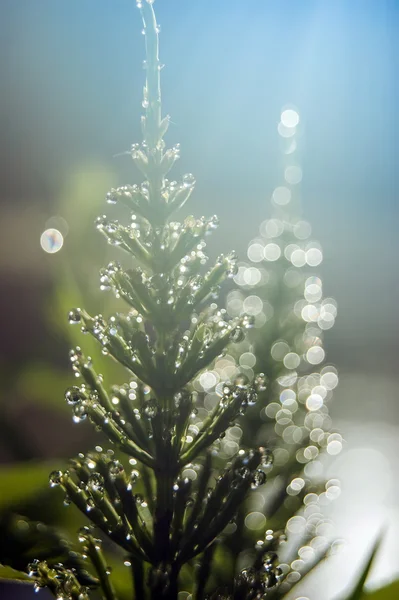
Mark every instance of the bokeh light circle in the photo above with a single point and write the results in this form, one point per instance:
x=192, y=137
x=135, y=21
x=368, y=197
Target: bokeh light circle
x=51, y=240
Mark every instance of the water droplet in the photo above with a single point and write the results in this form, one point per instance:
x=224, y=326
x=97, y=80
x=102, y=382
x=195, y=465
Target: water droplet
x=248, y=321
x=251, y=397
x=139, y=499
x=32, y=568
x=101, y=222
x=151, y=409
x=267, y=457
x=90, y=504
x=188, y=180
x=213, y=223
x=73, y=395
x=83, y=534
x=237, y=335
x=96, y=482
x=55, y=478
x=243, y=472
x=111, y=198
x=74, y=316
x=259, y=478
x=79, y=413
x=232, y=266
x=260, y=382
x=134, y=477
x=248, y=575
x=115, y=468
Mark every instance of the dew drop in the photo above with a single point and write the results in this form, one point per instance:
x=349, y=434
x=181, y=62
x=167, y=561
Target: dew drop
x=96, y=482
x=73, y=395
x=110, y=198
x=90, y=505
x=251, y=397
x=248, y=321
x=213, y=223
x=259, y=479
x=267, y=457
x=260, y=382
x=101, y=222
x=151, y=409
x=33, y=568
x=74, y=316
x=55, y=478
x=243, y=472
x=188, y=180
x=134, y=477
x=115, y=469
x=79, y=413
x=237, y=335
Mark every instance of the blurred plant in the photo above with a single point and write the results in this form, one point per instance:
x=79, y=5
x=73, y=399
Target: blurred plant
x=187, y=445
x=285, y=298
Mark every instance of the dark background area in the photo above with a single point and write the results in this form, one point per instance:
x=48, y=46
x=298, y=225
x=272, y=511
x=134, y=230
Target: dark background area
x=71, y=83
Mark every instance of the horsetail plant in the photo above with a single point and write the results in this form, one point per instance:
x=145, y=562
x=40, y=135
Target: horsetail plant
x=164, y=494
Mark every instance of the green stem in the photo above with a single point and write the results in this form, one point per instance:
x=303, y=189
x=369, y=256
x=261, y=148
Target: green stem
x=138, y=579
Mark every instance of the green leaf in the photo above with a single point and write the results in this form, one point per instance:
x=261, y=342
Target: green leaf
x=13, y=576
x=21, y=481
x=358, y=591
x=389, y=592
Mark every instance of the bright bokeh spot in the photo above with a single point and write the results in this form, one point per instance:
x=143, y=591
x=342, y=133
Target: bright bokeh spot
x=314, y=402
x=296, y=524
x=255, y=520
x=291, y=360
x=252, y=276
x=271, y=228
x=314, y=256
x=281, y=195
x=315, y=355
x=293, y=174
x=255, y=252
x=302, y=230
x=209, y=379
x=272, y=252
x=247, y=359
x=51, y=240
x=252, y=305
x=298, y=258
x=329, y=380
x=279, y=350
x=289, y=118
